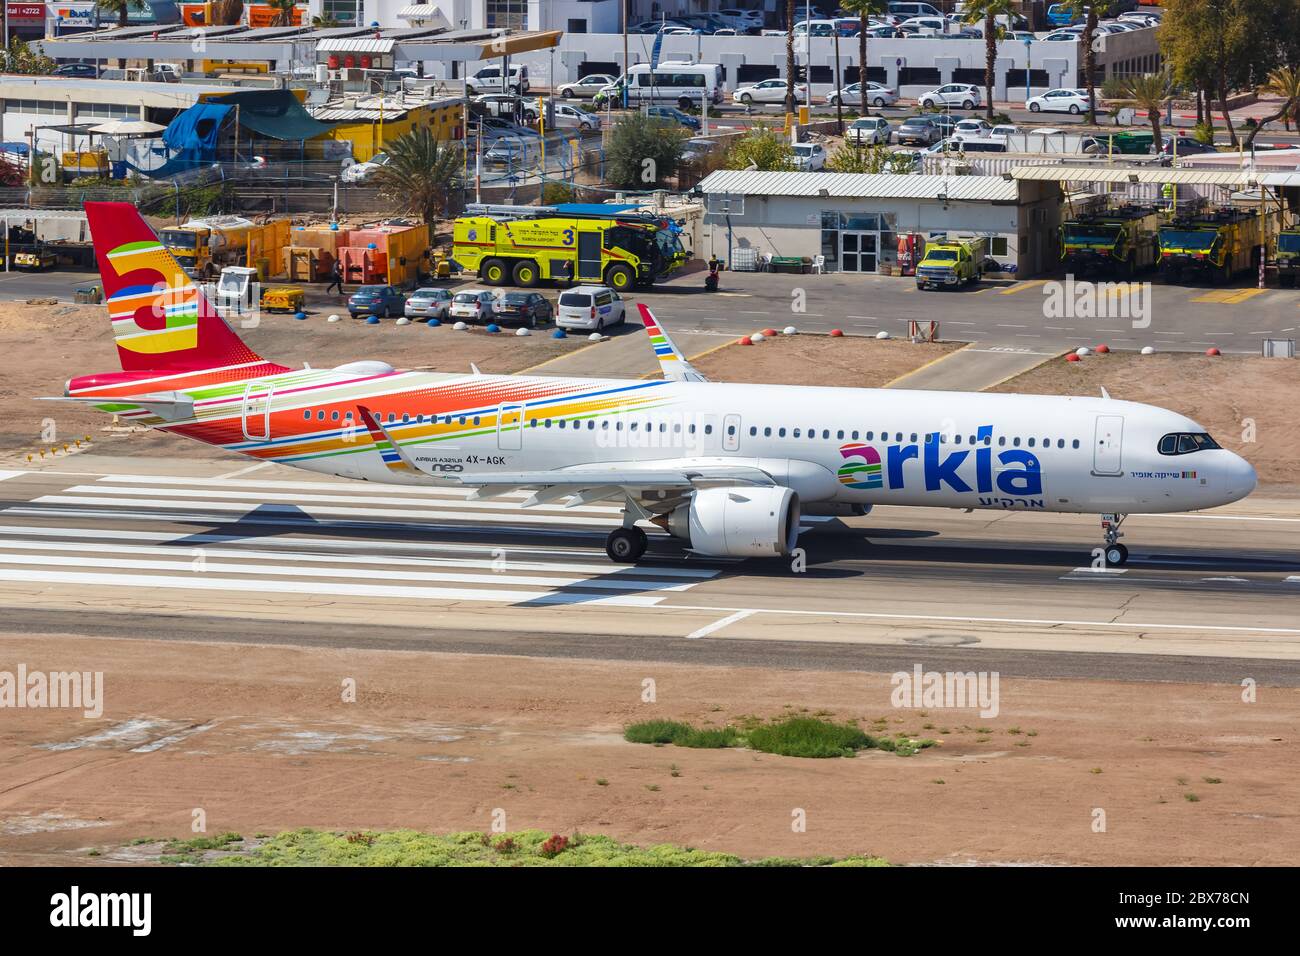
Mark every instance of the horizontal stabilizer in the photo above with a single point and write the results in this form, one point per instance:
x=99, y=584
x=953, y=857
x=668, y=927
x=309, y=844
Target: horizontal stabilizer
x=171, y=406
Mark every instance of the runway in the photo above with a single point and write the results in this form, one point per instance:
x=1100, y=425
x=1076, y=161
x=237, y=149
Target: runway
x=171, y=549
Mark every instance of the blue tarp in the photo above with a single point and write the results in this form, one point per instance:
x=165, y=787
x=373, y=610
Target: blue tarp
x=192, y=136
x=590, y=209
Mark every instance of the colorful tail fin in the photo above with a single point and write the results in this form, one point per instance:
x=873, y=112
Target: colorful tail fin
x=671, y=360
x=161, y=320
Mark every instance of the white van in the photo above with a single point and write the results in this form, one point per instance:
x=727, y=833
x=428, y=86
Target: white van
x=589, y=308
x=686, y=84
x=489, y=80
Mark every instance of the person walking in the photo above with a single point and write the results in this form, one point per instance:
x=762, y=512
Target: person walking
x=336, y=279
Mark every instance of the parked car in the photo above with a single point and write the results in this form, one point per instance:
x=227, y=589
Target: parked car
x=673, y=115
x=571, y=117
x=918, y=131
x=585, y=88
x=428, y=303
x=945, y=124
x=1063, y=36
x=746, y=19
x=380, y=300
x=473, y=305
x=489, y=79
x=1187, y=146
x=767, y=91
x=513, y=155
x=590, y=308
x=360, y=172
x=80, y=71
x=697, y=147
x=973, y=128
x=1004, y=130
x=508, y=106
x=877, y=95
x=1060, y=101
x=869, y=131
x=528, y=308
x=964, y=95
x=809, y=157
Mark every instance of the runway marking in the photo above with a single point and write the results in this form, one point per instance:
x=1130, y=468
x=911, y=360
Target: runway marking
x=1228, y=296
x=204, y=582
x=250, y=468
x=352, y=487
x=1023, y=286
x=5, y=475
x=1095, y=571
x=718, y=624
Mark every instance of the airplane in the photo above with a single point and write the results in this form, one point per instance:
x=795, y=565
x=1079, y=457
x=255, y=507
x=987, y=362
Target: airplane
x=723, y=468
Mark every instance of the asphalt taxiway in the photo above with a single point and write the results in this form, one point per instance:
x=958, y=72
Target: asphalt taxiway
x=216, y=550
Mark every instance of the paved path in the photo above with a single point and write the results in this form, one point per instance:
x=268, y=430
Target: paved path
x=973, y=368
x=626, y=354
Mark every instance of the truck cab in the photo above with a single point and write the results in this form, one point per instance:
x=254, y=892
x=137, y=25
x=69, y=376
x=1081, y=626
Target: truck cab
x=1288, y=257
x=949, y=263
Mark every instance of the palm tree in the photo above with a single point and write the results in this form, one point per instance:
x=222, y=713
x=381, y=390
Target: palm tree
x=864, y=9
x=283, y=12
x=419, y=174
x=1089, y=11
x=1149, y=93
x=227, y=12
x=1283, y=82
x=325, y=21
x=789, y=56
x=988, y=11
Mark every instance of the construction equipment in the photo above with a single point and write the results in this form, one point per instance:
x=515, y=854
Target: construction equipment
x=37, y=260
x=1120, y=241
x=1213, y=245
x=203, y=246
x=526, y=244
x=238, y=292
x=1288, y=257
x=949, y=263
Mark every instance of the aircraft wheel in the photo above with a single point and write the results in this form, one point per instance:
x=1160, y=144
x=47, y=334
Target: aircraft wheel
x=1116, y=556
x=625, y=545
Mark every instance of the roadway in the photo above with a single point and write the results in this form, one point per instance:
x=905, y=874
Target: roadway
x=218, y=550
x=1001, y=314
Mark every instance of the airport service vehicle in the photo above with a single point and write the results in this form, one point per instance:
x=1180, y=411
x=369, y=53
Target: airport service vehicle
x=809, y=157
x=490, y=79
x=1120, y=241
x=918, y=131
x=913, y=10
x=685, y=84
x=722, y=468
x=428, y=303
x=529, y=308
x=380, y=300
x=360, y=172
x=508, y=106
x=35, y=261
x=1060, y=101
x=949, y=263
x=877, y=95
x=590, y=308
x=925, y=26
x=1288, y=257
x=526, y=244
x=202, y=246
x=1213, y=245
x=767, y=91
x=869, y=131
x=585, y=88
x=473, y=305
x=952, y=94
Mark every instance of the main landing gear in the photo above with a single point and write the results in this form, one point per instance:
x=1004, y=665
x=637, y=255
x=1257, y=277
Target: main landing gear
x=625, y=545
x=1115, y=553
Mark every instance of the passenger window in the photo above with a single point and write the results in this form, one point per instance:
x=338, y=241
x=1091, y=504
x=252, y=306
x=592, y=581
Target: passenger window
x=839, y=435
x=1016, y=441
x=334, y=416
x=870, y=435
x=708, y=429
x=767, y=432
x=781, y=433
x=320, y=416
x=795, y=433
x=1076, y=443
x=752, y=431
x=1031, y=443
x=854, y=434
x=306, y=414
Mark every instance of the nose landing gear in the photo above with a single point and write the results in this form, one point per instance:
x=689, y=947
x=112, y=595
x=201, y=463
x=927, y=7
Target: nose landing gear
x=1115, y=553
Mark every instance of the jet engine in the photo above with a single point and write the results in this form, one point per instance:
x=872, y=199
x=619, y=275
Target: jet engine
x=737, y=522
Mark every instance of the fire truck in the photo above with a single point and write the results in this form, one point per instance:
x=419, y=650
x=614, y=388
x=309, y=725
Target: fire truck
x=1213, y=245
x=1121, y=241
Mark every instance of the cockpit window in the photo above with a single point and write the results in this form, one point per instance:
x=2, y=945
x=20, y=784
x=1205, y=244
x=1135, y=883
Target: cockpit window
x=1186, y=443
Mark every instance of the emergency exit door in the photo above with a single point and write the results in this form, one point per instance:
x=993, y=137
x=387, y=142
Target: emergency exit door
x=1107, y=445
x=588, y=255
x=510, y=427
x=257, y=411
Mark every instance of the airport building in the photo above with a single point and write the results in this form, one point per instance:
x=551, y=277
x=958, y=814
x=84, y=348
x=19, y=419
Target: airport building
x=853, y=222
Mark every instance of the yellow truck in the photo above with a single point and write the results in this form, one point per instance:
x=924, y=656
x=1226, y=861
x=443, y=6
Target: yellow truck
x=620, y=251
x=1288, y=257
x=1215, y=245
x=1120, y=241
x=950, y=263
x=203, y=246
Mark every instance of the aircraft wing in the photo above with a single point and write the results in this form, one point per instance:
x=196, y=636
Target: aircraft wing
x=671, y=360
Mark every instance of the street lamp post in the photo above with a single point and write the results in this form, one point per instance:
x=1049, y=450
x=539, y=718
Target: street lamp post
x=1027, y=42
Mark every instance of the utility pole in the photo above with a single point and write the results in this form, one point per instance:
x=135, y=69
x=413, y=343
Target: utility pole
x=623, y=86
x=838, y=85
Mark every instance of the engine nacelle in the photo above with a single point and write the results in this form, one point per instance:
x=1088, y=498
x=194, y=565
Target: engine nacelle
x=737, y=522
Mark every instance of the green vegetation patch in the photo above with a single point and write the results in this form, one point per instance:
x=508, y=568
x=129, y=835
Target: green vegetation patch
x=789, y=737
x=309, y=847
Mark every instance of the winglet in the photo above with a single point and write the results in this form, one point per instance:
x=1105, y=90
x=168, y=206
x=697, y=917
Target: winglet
x=394, y=457
x=671, y=360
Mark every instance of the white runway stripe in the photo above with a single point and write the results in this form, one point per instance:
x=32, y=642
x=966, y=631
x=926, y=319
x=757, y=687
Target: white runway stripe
x=203, y=562
x=207, y=582
x=271, y=484
x=324, y=546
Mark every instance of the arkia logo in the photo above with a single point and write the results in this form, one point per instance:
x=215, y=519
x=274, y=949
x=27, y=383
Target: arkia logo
x=1019, y=474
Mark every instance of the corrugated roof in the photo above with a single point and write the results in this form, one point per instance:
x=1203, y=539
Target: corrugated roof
x=1202, y=177
x=333, y=114
x=862, y=185
x=366, y=44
